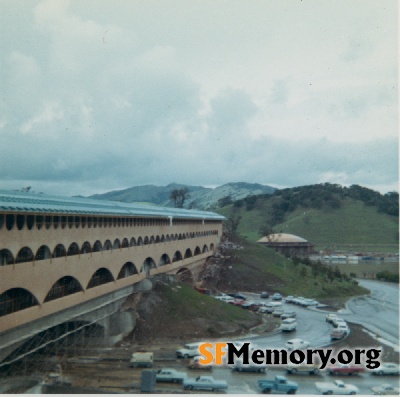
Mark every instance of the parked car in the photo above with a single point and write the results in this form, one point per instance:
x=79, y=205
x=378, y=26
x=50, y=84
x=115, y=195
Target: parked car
x=272, y=306
x=188, y=350
x=309, y=302
x=385, y=390
x=343, y=327
x=240, y=296
x=288, y=315
x=277, y=296
x=237, y=302
x=298, y=300
x=279, y=384
x=277, y=312
x=264, y=295
x=195, y=364
x=263, y=309
x=345, y=369
x=224, y=298
x=312, y=369
x=204, y=383
x=330, y=317
x=297, y=344
x=336, y=320
x=250, y=306
x=289, y=299
x=239, y=367
x=288, y=324
x=336, y=387
x=338, y=334
x=170, y=375
x=386, y=369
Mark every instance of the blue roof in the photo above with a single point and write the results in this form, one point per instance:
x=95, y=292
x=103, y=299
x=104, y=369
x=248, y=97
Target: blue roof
x=13, y=201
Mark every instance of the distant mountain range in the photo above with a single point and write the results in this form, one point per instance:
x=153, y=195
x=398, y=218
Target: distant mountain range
x=200, y=197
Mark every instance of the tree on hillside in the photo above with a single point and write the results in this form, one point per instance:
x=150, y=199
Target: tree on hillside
x=232, y=223
x=179, y=196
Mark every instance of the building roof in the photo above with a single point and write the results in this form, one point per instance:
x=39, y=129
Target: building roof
x=282, y=238
x=13, y=201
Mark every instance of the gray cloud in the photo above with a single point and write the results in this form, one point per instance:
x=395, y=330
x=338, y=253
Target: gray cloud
x=96, y=99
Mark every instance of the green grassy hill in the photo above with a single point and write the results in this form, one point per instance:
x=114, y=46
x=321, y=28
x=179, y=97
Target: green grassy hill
x=257, y=268
x=339, y=220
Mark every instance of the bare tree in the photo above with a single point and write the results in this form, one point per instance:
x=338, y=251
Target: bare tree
x=179, y=196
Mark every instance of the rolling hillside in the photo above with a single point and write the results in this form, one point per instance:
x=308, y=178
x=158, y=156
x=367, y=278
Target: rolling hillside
x=199, y=197
x=338, y=217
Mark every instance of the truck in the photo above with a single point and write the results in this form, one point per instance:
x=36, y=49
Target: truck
x=170, y=375
x=279, y=384
x=204, y=383
x=336, y=387
x=142, y=359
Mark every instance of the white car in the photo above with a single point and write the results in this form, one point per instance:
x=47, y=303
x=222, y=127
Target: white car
x=297, y=344
x=343, y=327
x=336, y=387
x=386, y=369
x=225, y=298
x=385, y=390
x=330, y=317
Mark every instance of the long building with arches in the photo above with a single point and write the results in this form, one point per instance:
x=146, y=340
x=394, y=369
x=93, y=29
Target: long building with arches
x=59, y=252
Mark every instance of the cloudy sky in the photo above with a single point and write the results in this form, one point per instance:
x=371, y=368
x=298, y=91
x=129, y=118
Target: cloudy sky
x=99, y=95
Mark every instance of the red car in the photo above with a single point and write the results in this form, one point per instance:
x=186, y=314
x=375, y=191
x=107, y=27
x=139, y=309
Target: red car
x=345, y=369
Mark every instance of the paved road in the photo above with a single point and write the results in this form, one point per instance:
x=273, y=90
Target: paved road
x=378, y=312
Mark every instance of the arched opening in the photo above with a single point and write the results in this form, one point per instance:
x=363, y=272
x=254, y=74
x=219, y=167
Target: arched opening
x=97, y=247
x=188, y=253
x=125, y=243
x=177, y=256
x=25, y=254
x=205, y=248
x=20, y=221
x=6, y=257
x=132, y=242
x=43, y=253
x=164, y=260
x=86, y=248
x=63, y=287
x=157, y=239
x=107, y=245
x=47, y=221
x=129, y=269
x=197, y=251
x=152, y=240
x=102, y=276
x=211, y=247
x=140, y=241
x=146, y=241
x=116, y=244
x=16, y=299
x=10, y=220
x=59, y=251
x=73, y=249
x=148, y=264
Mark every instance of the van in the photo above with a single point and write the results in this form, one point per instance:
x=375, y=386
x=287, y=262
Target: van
x=289, y=324
x=142, y=359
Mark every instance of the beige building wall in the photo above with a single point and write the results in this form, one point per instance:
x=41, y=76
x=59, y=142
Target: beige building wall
x=198, y=241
